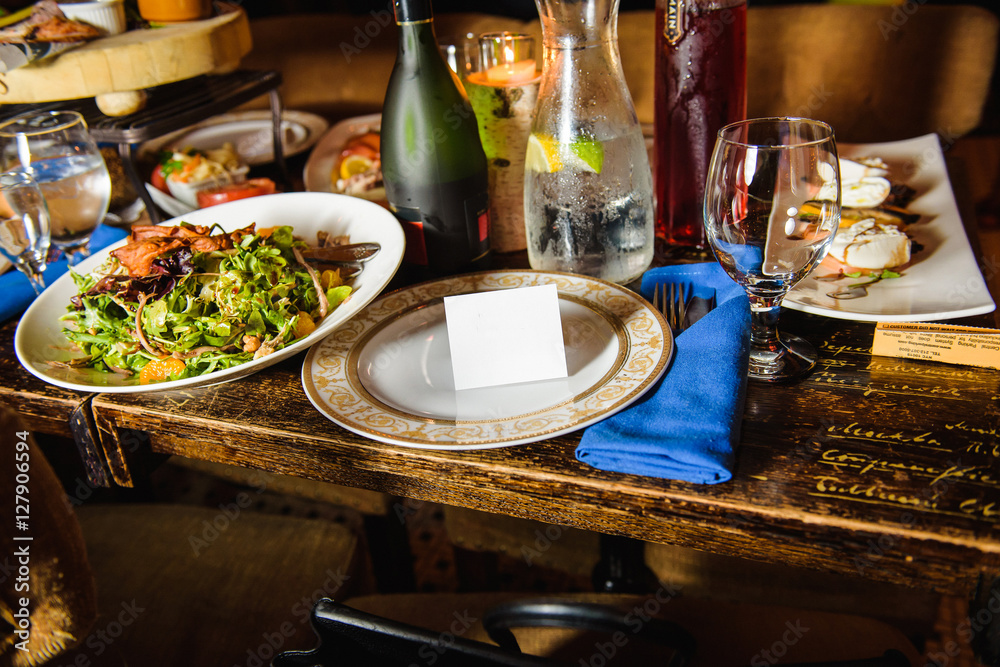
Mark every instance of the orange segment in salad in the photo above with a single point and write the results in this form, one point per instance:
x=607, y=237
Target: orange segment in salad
x=304, y=325
x=159, y=370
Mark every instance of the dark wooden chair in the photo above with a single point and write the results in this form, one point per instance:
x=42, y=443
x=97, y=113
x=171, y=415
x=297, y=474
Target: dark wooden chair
x=875, y=72
x=383, y=532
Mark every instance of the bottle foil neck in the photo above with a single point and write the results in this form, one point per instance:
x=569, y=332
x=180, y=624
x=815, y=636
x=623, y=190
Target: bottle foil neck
x=412, y=11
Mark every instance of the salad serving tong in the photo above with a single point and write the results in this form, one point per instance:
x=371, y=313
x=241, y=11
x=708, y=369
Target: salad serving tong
x=351, y=252
x=350, y=258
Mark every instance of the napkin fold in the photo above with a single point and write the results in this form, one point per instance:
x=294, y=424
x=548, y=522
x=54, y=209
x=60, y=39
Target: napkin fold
x=686, y=427
x=16, y=290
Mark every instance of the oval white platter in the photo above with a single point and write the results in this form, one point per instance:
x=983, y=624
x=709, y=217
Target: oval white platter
x=39, y=339
x=250, y=132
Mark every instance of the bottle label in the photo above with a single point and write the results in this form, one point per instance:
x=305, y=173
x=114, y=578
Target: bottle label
x=478, y=209
x=413, y=231
x=452, y=231
x=675, y=20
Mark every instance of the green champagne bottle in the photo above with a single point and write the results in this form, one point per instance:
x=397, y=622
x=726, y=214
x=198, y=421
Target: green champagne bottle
x=433, y=164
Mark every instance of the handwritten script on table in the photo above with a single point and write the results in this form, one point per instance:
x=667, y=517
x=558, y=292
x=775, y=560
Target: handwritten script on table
x=905, y=440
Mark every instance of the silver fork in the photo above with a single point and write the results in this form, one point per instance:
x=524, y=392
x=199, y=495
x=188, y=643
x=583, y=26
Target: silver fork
x=671, y=301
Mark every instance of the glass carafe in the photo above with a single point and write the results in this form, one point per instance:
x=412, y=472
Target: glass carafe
x=588, y=192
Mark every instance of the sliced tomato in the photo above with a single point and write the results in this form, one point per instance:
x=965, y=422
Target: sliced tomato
x=158, y=180
x=226, y=193
x=362, y=150
x=370, y=139
x=366, y=145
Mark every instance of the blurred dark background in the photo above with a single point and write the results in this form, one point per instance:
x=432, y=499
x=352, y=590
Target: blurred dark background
x=524, y=9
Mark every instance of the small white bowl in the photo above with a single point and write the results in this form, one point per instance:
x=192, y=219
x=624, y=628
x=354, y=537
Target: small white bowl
x=187, y=193
x=108, y=15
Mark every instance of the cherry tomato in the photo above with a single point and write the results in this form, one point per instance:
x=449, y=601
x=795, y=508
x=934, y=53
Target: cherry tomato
x=158, y=180
x=251, y=188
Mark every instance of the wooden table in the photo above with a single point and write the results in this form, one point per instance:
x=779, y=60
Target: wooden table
x=882, y=467
x=872, y=465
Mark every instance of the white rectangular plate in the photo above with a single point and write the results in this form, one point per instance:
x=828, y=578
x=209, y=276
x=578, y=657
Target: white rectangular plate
x=942, y=280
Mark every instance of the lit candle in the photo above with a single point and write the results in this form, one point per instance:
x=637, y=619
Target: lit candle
x=518, y=72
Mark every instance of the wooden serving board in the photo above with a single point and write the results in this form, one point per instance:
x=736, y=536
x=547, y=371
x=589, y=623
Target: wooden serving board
x=133, y=61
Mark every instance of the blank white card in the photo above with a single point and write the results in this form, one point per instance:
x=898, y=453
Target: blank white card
x=505, y=336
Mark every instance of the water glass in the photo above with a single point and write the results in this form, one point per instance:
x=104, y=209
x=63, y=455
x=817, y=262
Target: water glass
x=56, y=149
x=772, y=207
x=24, y=234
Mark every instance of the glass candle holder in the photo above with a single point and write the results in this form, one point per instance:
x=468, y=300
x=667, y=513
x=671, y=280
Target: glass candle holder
x=503, y=93
x=507, y=58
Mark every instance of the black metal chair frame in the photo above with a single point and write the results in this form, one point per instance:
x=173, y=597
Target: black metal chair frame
x=349, y=636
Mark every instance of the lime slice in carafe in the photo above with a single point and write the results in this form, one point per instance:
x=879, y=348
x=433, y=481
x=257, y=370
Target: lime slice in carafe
x=589, y=154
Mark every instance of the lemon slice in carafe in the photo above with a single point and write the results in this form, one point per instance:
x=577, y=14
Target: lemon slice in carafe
x=546, y=155
x=542, y=154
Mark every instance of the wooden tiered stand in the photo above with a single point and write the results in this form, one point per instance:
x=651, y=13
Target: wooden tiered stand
x=143, y=84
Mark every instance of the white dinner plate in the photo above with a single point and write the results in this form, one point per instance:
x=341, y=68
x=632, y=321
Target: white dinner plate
x=318, y=172
x=387, y=373
x=942, y=280
x=250, y=132
x=39, y=339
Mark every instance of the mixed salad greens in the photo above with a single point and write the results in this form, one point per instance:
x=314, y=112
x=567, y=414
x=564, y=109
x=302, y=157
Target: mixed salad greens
x=180, y=302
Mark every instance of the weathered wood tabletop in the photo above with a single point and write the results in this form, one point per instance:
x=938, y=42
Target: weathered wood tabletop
x=872, y=465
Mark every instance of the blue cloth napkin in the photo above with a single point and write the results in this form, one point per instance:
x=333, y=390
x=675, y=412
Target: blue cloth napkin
x=687, y=427
x=15, y=289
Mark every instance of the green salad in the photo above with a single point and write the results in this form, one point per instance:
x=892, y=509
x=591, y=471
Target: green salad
x=189, y=302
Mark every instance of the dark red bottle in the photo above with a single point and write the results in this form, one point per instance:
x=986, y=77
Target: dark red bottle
x=700, y=86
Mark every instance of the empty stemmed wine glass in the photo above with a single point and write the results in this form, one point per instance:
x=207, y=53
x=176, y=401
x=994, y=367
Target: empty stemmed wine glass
x=56, y=149
x=24, y=236
x=772, y=207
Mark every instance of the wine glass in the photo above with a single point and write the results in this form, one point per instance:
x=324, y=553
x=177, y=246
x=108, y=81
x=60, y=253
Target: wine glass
x=56, y=149
x=24, y=235
x=772, y=207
